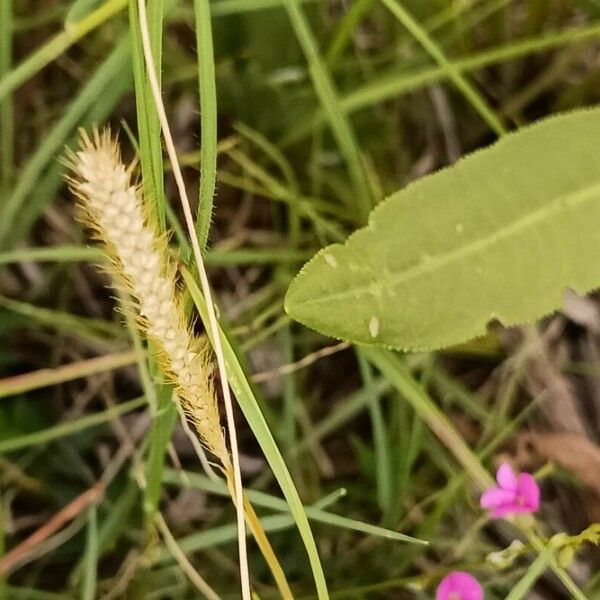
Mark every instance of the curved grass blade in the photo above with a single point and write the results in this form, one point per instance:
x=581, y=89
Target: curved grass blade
x=250, y=408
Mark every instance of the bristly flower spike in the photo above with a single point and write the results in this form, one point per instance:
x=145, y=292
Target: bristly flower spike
x=114, y=209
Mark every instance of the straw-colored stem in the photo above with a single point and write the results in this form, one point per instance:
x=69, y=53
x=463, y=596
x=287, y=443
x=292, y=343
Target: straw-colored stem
x=260, y=536
x=184, y=563
x=162, y=116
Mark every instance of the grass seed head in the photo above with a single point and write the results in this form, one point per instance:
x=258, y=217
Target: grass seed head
x=114, y=208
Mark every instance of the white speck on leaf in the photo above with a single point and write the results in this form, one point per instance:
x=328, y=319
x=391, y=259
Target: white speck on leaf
x=374, y=326
x=330, y=260
x=459, y=227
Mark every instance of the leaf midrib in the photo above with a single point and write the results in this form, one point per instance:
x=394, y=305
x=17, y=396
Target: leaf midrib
x=560, y=204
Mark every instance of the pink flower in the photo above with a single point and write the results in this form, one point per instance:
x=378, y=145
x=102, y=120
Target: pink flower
x=459, y=585
x=513, y=495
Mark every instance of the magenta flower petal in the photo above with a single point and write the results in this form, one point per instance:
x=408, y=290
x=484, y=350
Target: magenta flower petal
x=496, y=497
x=499, y=512
x=506, y=477
x=513, y=494
x=459, y=585
x=529, y=492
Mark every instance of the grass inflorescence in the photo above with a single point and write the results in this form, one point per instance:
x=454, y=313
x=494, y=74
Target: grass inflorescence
x=114, y=209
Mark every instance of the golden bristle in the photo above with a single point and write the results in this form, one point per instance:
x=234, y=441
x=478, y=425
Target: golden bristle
x=114, y=209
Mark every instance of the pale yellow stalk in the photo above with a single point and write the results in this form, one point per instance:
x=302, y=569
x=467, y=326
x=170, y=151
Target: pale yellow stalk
x=233, y=469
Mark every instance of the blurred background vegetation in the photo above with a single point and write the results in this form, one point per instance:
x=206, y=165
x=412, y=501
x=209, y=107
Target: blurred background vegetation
x=286, y=186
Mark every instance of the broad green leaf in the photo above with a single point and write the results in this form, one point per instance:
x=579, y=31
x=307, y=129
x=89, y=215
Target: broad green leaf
x=499, y=235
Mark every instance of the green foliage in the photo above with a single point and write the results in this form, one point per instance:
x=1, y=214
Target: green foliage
x=249, y=405
x=332, y=110
x=499, y=235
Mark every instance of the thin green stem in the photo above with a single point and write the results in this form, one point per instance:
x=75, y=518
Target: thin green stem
x=6, y=105
x=70, y=427
x=348, y=24
x=150, y=147
x=72, y=33
x=469, y=91
x=328, y=96
x=394, y=84
x=53, y=143
x=90, y=563
x=383, y=468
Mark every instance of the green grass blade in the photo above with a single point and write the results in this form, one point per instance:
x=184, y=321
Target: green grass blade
x=234, y=7
x=48, y=185
x=150, y=145
x=27, y=593
x=214, y=258
x=113, y=527
x=19, y=384
x=345, y=29
x=6, y=105
x=90, y=561
x=535, y=570
x=228, y=533
x=53, y=143
x=52, y=254
x=383, y=466
x=3, y=586
x=338, y=121
x=267, y=501
x=79, y=9
x=152, y=164
x=160, y=434
x=208, y=119
x=344, y=413
x=58, y=44
x=471, y=94
x=96, y=330
x=250, y=408
x=397, y=373
x=402, y=82
x=70, y=427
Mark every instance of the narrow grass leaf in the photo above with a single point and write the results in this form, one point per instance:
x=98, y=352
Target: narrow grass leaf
x=403, y=81
x=19, y=384
x=279, y=504
x=397, y=373
x=70, y=427
x=250, y=408
x=208, y=119
x=53, y=142
x=100, y=106
x=90, y=561
x=464, y=85
x=150, y=145
x=95, y=330
x=57, y=45
x=6, y=105
x=383, y=466
x=327, y=94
